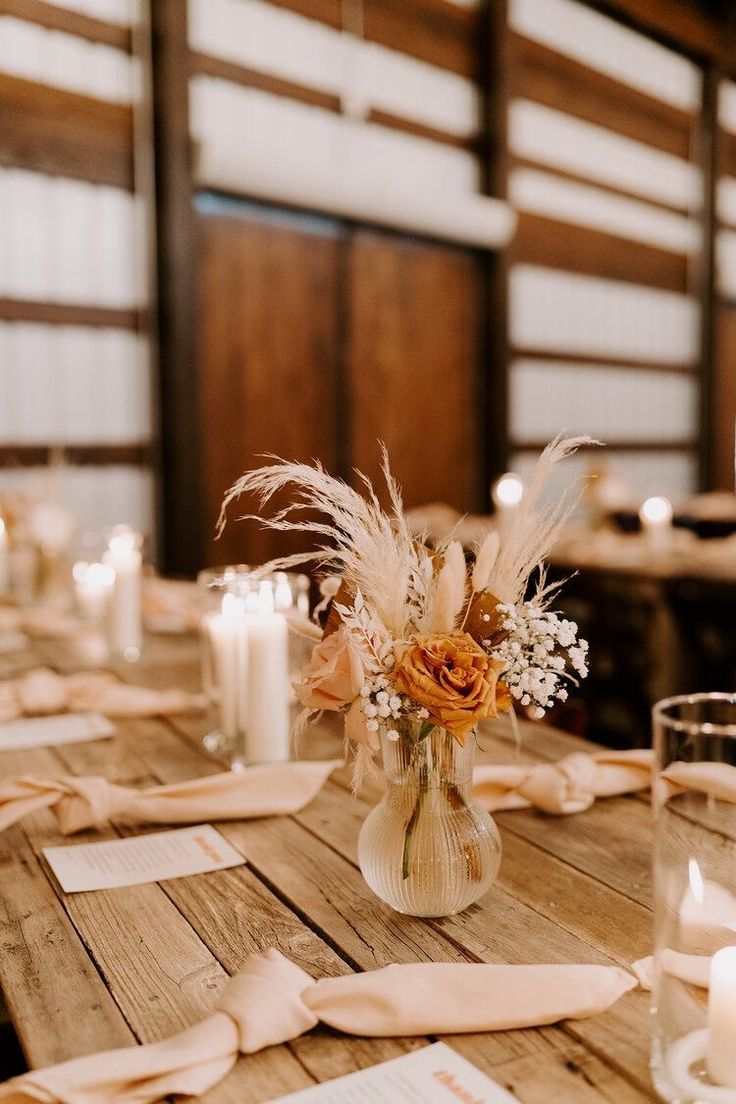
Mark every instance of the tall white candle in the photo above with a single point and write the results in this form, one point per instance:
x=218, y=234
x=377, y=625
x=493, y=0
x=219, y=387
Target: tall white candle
x=720, y=1056
x=228, y=640
x=655, y=516
x=4, y=557
x=93, y=586
x=267, y=732
x=125, y=624
x=507, y=493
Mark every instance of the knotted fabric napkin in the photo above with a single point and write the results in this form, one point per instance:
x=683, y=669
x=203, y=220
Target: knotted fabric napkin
x=273, y=1001
x=691, y=968
x=40, y=623
x=42, y=692
x=570, y=785
x=268, y=790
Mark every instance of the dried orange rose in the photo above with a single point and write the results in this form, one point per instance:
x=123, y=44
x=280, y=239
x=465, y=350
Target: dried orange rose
x=453, y=679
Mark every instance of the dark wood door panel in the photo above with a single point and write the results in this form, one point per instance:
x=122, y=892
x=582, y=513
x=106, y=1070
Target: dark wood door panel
x=413, y=365
x=268, y=356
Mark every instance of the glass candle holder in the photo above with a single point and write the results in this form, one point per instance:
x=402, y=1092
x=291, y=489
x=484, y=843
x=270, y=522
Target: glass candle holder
x=213, y=584
x=694, y=982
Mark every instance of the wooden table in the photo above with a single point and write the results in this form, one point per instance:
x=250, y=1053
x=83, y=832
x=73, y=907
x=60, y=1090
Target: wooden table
x=91, y=971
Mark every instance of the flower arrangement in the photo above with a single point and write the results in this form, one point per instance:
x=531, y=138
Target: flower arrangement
x=418, y=633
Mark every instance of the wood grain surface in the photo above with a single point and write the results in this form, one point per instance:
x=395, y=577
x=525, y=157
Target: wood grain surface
x=89, y=971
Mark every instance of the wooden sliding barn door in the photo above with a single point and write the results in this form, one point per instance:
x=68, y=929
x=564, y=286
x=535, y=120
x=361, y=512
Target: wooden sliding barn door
x=319, y=341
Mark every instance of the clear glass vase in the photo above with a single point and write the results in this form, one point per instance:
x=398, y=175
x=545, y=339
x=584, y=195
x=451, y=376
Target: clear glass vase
x=428, y=849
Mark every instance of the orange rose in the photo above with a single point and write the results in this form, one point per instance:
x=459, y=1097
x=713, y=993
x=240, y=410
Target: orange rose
x=334, y=675
x=453, y=678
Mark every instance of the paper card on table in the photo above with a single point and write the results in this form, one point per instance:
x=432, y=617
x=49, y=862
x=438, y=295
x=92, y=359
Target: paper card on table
x=59, y=728
x=140, y=859
x=433, y=1075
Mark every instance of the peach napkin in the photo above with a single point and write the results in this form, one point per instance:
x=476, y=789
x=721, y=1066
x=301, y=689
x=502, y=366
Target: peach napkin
x=691, y=968
x=40, y=623
x=272, y=1001
x=268, y=790
x=569, y=786
x=42, y=692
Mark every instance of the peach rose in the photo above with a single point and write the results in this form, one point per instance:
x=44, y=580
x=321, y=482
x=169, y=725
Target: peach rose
x=453, y=678
x=334, y=675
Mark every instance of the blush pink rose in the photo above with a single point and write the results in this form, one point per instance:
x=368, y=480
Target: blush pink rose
x=334, y=675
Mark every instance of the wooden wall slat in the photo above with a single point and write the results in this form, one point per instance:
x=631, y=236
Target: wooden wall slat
x=268, y=363
x=413, y=360
x=560, y=82
x=578, y=178
x=595, y=360
x=727, y=152
x=206, y=65
x=561, y=245
x=70, y=314
x=434, y=31
x=723, y=397
x=678, y=25
x=644, y=444
x=24, y=456
x=50, y=130
x=55, y=18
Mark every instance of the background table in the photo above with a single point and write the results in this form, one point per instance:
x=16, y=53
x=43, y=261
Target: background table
x=90, y=971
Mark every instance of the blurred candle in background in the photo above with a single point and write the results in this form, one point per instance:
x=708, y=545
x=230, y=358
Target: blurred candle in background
x=655, y=516
x=507, y=493
x=125, y=623
x=93, y=587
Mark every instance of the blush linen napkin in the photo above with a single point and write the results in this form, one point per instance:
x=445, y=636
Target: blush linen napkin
x=570, y=785
x=272, y=1001
x=42, y=692
x=85, y=802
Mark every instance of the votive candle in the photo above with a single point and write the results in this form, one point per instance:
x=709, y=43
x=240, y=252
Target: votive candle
x=507, y=493
x=93, y=587
x=655, y=516
x=228, y=638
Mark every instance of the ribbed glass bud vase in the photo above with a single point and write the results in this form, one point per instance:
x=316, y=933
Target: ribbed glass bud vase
x=428, y=849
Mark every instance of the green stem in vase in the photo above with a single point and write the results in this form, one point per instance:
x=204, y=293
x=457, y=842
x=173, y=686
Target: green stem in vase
x=419, y=747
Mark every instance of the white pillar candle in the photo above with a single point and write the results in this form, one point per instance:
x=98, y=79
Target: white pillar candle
x=228, y=642
x=507, y=493
x=125, y=625
x=4, y=557
x=268, y=737
x=655, y=516
x=720, y=1056
x=93, y=586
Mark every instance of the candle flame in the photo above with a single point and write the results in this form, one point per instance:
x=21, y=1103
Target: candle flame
x=697, y=886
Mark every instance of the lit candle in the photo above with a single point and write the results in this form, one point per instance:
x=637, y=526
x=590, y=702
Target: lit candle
x=655, y=516
x=228, y=639
x=4, y=557
x=93, y=586
x=507, y=493
x=720, y=1056
x=267, y=730
x=125, y=625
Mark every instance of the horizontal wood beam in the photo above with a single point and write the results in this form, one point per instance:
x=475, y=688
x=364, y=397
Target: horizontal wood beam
x=596, y=360
x=206, y=65
x=564, y=246
x=31, y=456
x=71, y=314
x=579, y=178
x=442, y=34
x=560, y=82
x=680, y=26
x=51, y=130
x=641, y=445
x=54, y=18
